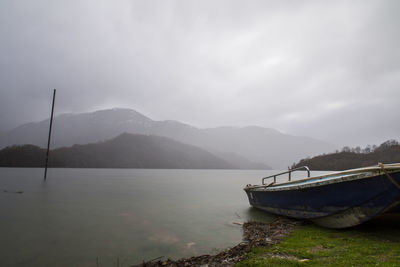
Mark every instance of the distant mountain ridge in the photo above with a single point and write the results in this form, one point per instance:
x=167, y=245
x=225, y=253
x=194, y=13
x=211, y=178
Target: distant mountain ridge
x=250, y=146
x=123, y=151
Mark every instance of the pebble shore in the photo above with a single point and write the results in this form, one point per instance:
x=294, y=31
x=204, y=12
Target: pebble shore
x=255, y=234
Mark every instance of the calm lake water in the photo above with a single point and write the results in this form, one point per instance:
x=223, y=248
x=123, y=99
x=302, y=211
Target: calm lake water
x=129, y=215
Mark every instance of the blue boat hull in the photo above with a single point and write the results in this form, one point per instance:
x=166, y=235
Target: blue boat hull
x=334, y=205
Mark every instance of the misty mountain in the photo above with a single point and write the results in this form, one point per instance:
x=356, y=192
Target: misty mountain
x=123, y=151
x=242, y=162
x=254, y=145
x=264, y=144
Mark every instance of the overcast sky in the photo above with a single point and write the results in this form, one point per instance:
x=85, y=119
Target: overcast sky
x=324, y=69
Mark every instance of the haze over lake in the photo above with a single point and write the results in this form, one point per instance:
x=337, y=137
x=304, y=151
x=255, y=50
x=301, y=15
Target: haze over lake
x=130, y=214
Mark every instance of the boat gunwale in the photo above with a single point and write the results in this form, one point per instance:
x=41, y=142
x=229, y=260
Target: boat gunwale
x=352, y=174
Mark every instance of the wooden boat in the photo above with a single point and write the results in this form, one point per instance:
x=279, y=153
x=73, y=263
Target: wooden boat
x=336, y=200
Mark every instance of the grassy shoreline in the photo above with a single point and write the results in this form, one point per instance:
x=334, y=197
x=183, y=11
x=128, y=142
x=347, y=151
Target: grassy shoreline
x=375, y=243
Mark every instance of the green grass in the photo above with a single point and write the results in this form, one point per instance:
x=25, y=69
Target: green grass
x=376, y=243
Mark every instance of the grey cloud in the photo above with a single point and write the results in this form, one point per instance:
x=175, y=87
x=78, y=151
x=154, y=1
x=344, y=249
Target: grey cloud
x=304, y=67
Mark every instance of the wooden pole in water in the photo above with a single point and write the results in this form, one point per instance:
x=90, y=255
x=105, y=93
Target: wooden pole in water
x=48, y=140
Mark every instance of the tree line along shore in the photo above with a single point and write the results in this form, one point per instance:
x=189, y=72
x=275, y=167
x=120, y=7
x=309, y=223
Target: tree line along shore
x=349, y=158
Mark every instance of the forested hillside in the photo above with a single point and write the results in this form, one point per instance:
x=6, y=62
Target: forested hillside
x=348, y=158
x=124, y=151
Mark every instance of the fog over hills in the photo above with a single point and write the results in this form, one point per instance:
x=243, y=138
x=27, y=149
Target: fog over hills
x=252, y=147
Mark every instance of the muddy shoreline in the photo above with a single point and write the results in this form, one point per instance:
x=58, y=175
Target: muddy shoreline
x=255, y=234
